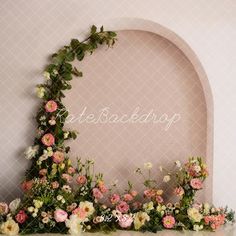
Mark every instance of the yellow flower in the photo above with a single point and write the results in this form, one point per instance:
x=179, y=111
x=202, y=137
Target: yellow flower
x=148, y=206
x=38, y=203
x=10, y=227
x=194, y=215
x=87, y=207
x=40, y=91
x=140, y=219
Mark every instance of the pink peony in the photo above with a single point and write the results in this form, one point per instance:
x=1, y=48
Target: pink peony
x=60, y=215
x=179, y=191
x=21, y=217
x=196, y=183
x=58, y=157
x=128, y=197
x=81, y=179
x=97, y=193
x=149, y=193
x=3, y=208
x=123, y=207
x=125, y=221
x=67, y=177
x=48, y=140
x=71, y=170
x=115, y=198
x=51, y=106
x=43, y=172
x=168, y=222
x=27, y=185
x=55, y=185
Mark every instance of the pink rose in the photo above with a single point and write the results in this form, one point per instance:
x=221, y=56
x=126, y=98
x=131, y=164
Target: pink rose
x=102, y=187
x=159, y=199
x=3, y=208
x=27, y=185
x=81, y=179
x=51, y=106
x=168, y=222
x=60, y=215
x=21, y=217
x=196, y=183
x=123, y=207
x=125, y=221
x=149, y=193
x=115, y=198
x=55, y=185
x=97, y=193
x=128, y=197
x=71, y=170
x=43, y=172
x=48, y=140
x=179, y=191
x=58, y=157
x=134, y=193
x=67, y=177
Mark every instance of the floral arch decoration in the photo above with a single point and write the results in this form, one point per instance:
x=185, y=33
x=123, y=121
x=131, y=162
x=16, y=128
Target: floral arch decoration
x=51, y=204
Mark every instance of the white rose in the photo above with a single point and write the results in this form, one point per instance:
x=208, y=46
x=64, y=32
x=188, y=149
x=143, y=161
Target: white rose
x=14, y=205
x=166, y=178
x=148, y=165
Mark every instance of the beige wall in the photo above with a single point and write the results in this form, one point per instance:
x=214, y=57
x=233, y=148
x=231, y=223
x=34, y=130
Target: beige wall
x=31, y=30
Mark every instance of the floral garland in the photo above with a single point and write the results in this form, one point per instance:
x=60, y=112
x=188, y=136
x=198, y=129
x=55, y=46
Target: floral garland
x=59, y=198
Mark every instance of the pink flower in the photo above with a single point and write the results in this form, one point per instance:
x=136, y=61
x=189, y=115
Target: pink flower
x=115, y=198
x=137, y=205
x=3, y=208
x=215, y=221
x=58, y=157
x=60, y=215
x=51, y=106
x=125, y=221
x=81, y=179
x=43, y=172
x=128, y=197
x=179, y=191
x=134, y=193
x=149, y=193
x=196, y=183
x=67, y=177
x=123, y=207
x=21, y=217
x=102, y=187
x=71, y=170
x=27, y=185
x=55, y=185
x=48, y=140
x=159, y=199
x=97, y=193
x=168, y=222
x=80, y=212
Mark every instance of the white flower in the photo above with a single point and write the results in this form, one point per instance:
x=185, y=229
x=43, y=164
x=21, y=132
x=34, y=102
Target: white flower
x=45, y=220
x=148, y=165
x=14, y=205
x=46, y=75
x=10, y=227
x=40, y=91
x=166, y=178
x=197, y=227
x=52, y=122
x=148, y=206
x=206, y=208
x=178, y=163
x=160, y=168
x=43, y=158
x=31, y=151
x=59, y=197
x=74, y=225
x=34, y=214
x=87, y=207
x=194, y=215
x=197, y=168
x=140, y=219
x=66, y=188
x=66, y=134
x=30, y=209
x=55, y=72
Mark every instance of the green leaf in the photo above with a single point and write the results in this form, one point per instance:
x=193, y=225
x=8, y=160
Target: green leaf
x=93, y=29
x=77, y=73
x=74, y=43
x=70, y=56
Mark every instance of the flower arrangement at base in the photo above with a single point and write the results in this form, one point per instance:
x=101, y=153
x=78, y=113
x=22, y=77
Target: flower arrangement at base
x=60, y=198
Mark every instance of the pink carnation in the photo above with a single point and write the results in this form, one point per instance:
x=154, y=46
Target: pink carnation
x=51, y=106
x=81, y=179
x=115, y=198
x=3, y=208
x=58, y=157
x=196, y=183
x=123, y=207
x=48, y=140
x=97, y=193
x=128, y=197
x=21, y=217
x=168, y=222
x=60, y=215
x=125, y=221
x=179, y=191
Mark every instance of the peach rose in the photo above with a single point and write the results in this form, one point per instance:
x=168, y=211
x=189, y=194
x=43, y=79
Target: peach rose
x=128, y=197
x=55, y=185
x=179, y=191
x=48, y=140
x=51, y=106
x=71, y=170
x=27, y=185
x=196, y=183
x=67, y=177
x=58, y=157
x=81, y=179
x=3, y=208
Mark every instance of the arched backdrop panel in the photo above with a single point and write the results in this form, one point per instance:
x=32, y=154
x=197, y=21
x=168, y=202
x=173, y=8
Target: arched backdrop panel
x=145, y=71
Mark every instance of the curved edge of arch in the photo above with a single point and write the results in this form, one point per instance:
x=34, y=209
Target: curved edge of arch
x=126, y=23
